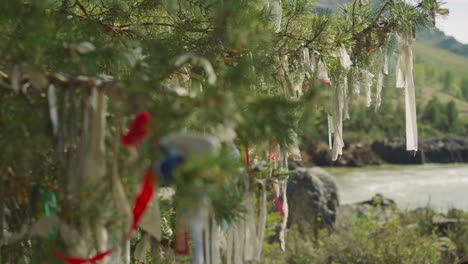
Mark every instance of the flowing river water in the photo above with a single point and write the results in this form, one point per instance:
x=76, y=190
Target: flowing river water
x=440, y=186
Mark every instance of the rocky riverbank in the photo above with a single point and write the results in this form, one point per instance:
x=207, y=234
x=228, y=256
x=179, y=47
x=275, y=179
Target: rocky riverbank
x=371, y=231
x=356, y=154
x=448, y=232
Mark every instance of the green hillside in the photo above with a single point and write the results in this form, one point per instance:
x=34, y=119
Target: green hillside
x=442, y=61
x=438, y=38
x=425, y=53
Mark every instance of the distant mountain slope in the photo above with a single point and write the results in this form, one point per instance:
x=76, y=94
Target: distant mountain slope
x=444, y=60
x=438, y=38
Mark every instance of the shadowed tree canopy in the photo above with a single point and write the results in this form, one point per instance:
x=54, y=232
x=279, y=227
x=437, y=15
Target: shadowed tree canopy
x=73, y=73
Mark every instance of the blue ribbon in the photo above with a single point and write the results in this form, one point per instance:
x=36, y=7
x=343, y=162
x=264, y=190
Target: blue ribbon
x=168, y=165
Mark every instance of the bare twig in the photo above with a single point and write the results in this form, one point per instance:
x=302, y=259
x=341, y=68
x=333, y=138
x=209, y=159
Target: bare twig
x=292, y=37
x=380, y=12
x=82, y=8
x=353, y=17
x=290, y=19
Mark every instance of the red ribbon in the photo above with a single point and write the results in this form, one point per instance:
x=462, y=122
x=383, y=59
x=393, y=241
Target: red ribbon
x=182, y=243
x=138, y=130
x=74, y=260
x=247, y=160
x=141, y=204
x=273, y=152
x=278, y=203
x=368, y=44
x=143, y=199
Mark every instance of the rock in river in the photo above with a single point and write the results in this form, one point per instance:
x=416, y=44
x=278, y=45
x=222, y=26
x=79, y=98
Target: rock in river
x=312, y=198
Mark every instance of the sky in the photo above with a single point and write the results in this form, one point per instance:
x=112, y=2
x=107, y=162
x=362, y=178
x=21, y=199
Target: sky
x=456, y=24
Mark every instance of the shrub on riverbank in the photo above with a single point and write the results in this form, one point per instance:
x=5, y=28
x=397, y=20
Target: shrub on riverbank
x=408, y=238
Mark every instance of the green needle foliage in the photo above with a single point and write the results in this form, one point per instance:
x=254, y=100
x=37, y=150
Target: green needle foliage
x=194, y=64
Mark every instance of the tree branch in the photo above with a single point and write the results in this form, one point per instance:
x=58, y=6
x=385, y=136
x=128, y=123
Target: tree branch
x=82, y=8
x=353, y=17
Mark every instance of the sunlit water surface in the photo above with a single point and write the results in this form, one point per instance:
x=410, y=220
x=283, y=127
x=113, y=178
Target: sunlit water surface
x=440, y=186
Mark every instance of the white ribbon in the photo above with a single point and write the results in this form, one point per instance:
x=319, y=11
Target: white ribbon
x=367, y=82
x=330, y=131
x=337, y=120
x=322, y=73
x=345, y=59
x=276, y=13
x=410, y=99
x=391, y=56
x=52, y=98
x=261, y=223
x=250, y=231
x=284, y=221
x=346, y=97
x=405, y=80
x=378, y=97
x=151, y=220
x=313, y=61
x=142, y=247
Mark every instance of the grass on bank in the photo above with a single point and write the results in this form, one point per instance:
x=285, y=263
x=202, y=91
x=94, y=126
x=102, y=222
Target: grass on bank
x=410, y=238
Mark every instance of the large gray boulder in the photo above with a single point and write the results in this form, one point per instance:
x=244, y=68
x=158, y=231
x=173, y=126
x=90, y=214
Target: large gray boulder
x=312, y=199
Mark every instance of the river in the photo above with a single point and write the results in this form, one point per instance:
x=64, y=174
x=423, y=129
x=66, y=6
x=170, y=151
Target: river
x=441, y=186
